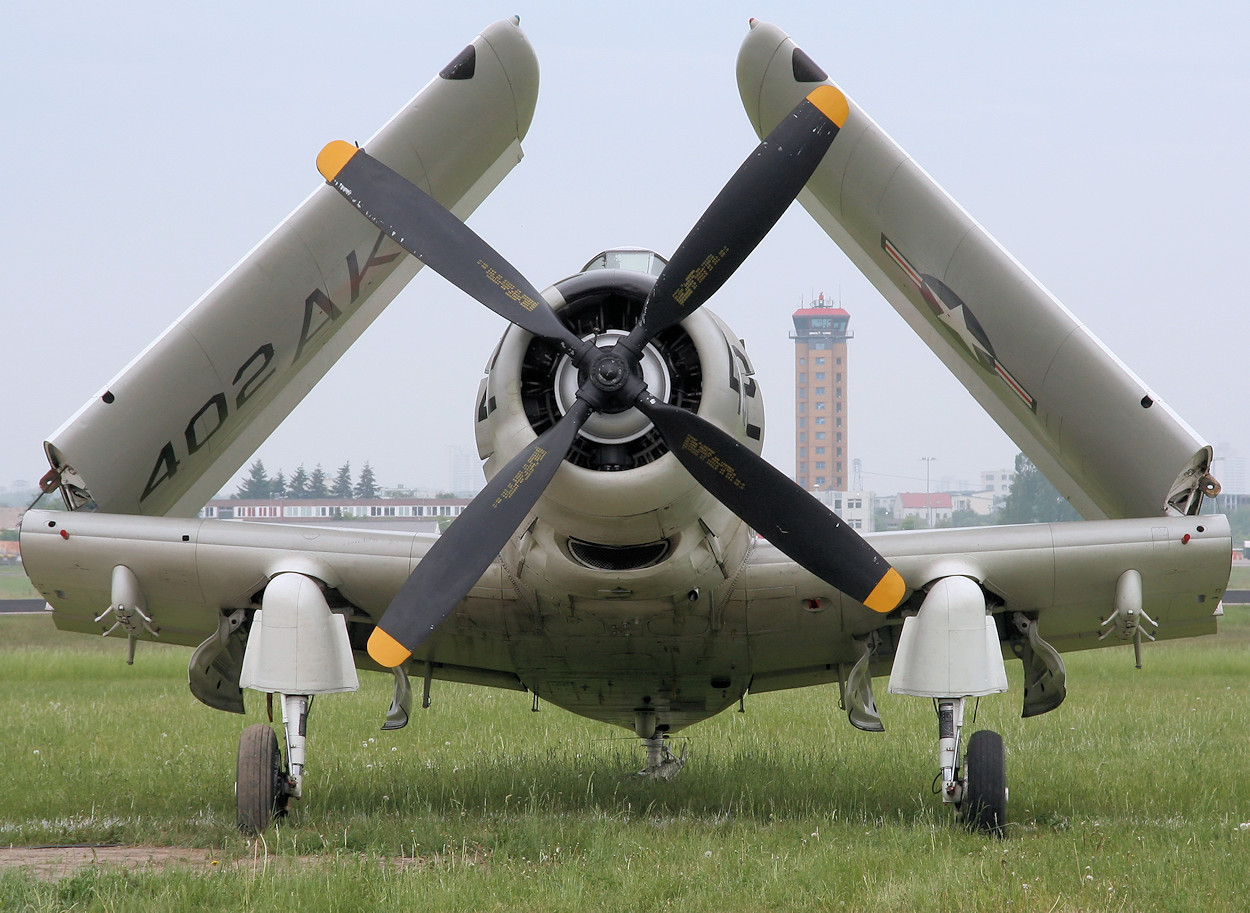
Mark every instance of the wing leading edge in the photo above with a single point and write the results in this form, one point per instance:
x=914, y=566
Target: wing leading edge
x=165, y=434
x=1091, y=425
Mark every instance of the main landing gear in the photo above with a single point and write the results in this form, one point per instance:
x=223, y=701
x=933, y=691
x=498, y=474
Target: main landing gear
x=978, y=790
x=296, y=649
x=263, y=784
x=950, y=651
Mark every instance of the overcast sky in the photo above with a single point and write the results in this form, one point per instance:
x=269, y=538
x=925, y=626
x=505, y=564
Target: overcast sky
x=148, y=146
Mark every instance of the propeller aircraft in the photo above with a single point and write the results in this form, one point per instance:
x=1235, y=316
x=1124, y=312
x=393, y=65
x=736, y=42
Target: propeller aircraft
x=632, y=557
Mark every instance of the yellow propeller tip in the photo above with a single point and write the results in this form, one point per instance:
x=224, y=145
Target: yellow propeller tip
x=885, y=596
x=333, y=157
x=831, y=103
x=386, y=650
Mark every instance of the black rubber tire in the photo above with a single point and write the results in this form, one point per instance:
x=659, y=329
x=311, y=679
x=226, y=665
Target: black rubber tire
x=984, y=805
x=259, y=786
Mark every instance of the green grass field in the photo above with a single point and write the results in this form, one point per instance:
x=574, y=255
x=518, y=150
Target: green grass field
x=1128, y=797
x=1240, y=577
x=14, y=583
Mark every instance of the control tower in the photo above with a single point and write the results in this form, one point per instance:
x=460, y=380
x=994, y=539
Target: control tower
x=821, y=428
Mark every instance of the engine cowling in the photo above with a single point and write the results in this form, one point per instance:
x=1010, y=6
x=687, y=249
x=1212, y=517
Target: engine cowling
x=621, y=505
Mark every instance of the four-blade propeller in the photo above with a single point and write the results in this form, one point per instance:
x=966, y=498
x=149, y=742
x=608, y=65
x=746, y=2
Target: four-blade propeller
x=733, y=225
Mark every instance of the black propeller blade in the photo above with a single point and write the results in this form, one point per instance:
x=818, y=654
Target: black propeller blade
x=430, y=232
x=776, y=508
x=742, y=213
x=460, y=556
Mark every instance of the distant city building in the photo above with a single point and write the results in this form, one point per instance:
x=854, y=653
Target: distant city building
x=401, y=492
x=982, y=503
x=856, y=508
x=929, y=509
x=952, y=483
x=1228, y=502
x=883, y=505
x=409, y=514
x=821, y=417
x=997, y=481
x=1230, y=469
x=465, y=471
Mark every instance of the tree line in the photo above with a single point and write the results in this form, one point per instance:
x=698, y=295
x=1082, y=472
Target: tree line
x=1032, y=499
x=305, y=485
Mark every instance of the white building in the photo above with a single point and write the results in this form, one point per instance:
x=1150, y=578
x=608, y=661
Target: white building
x=1230, y=470
x=408, y=514
x=997, y=481
x=981, y=503
x=928, y=509
x=854, y=507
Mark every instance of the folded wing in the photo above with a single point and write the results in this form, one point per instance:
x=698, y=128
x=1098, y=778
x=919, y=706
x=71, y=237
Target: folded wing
x=180, y=420
x=1088, y=422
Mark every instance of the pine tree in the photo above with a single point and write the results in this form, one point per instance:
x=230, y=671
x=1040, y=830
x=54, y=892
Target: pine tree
x=257, y=484
x=342, y=489
x=297, y=485
x=366, y=487
x=277, y=486
x=317, y=486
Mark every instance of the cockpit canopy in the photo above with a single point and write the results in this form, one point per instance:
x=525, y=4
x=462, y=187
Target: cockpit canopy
x=636, y=259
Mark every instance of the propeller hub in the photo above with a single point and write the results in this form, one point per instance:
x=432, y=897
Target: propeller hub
x=609, y=372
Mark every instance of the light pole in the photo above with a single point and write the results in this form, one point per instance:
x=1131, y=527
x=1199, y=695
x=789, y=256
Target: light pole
x=928, y=498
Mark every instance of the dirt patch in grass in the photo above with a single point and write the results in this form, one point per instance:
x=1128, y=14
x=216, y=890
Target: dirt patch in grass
x=55, y=862
x=52, y=863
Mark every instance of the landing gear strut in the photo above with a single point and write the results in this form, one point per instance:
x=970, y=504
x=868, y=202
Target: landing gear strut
x=296, y=649
x=662, y=764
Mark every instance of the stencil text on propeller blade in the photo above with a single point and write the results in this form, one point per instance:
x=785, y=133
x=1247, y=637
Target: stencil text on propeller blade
x=707, y=456
x=520, y=297
x=522, y=476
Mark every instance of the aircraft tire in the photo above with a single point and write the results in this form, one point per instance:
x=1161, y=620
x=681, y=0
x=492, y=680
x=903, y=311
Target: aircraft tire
x=984, y=805
x=259, y=791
